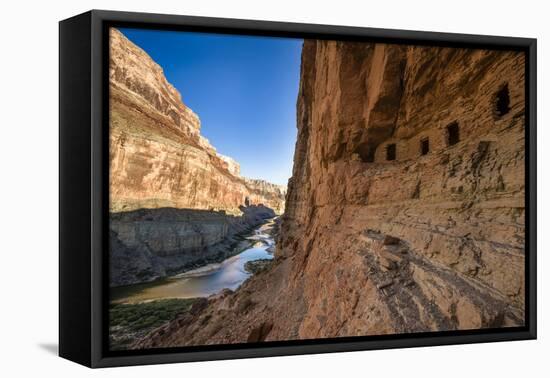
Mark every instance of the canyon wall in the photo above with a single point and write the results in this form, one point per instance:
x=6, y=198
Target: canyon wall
x=412, y=165
x=406, y=209
x=149, y=244
x=175, y=202
x=158, y=158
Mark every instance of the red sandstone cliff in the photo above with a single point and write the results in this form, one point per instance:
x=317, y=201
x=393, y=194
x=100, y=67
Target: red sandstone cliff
x=158, y=158
x=406, y=209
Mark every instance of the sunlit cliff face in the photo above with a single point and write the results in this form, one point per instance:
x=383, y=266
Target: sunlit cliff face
x=158, y=158
x=409, y=181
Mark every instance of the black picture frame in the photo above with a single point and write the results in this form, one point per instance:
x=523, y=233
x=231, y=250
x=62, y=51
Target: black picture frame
x=83, y=195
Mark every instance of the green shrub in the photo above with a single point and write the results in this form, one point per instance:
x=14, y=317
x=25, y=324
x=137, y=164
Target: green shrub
x=139, y=316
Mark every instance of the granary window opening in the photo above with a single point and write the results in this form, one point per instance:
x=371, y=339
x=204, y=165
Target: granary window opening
x=502, y=101
x=390, y=152
x=453, y=134
x=424, y=146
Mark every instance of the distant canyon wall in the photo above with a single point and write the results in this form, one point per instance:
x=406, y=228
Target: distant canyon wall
x=158, y=158
x=149, y=244
x=406, y=209
x=175, y=202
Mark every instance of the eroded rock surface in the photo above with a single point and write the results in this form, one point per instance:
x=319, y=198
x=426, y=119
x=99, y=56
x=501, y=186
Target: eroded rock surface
x=175, y=202
x=158, y=158
x=406, y=209
x=149, y=244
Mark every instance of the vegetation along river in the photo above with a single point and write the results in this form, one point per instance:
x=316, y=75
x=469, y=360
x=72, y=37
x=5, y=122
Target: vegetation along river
x=204, y=281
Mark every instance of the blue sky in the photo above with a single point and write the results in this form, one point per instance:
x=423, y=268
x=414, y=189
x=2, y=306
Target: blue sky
x=243, y=88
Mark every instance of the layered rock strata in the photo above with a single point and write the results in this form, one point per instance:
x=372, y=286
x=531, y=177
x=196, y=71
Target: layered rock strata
x=149, y=244
x=175, y=202
x=406, y=209
x=158, y=157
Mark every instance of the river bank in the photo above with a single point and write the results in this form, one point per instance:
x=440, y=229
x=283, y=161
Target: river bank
x=131, y=321
x=207, y=279
x=136, y=310
x=147, y=245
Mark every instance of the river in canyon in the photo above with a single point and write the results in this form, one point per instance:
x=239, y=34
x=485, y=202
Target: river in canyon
x=204, y=281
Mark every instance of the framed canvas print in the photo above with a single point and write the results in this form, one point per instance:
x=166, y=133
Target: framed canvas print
x=233, y=188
